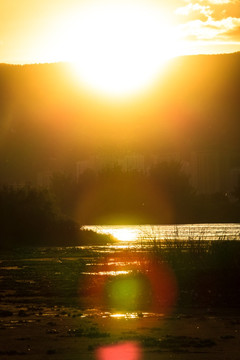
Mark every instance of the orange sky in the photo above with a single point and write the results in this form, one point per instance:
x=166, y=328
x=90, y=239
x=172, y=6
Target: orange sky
x=33, y=31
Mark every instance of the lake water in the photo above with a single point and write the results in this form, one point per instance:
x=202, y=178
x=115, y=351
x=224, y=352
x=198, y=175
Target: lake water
x=148, y=233
x=68, y=273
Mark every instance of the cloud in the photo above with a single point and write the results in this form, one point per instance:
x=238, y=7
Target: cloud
x=225, y=29
x=198, y=30
x=210, y=20
x=233, y=34
x=224, y=10
x=205, y=9
x=195, y=10
x=221, y=1
x=214, y=2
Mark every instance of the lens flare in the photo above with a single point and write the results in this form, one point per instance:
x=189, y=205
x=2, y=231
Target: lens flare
x=126, y=351
x=128, y=293
x=149, y=286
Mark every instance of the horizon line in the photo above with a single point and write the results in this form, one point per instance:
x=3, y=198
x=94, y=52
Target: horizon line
x=71, y=62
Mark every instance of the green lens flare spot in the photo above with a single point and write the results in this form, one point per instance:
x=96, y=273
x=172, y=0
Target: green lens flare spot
x=128, y=293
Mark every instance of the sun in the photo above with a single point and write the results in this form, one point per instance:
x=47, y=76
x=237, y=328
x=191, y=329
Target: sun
x=118, y=47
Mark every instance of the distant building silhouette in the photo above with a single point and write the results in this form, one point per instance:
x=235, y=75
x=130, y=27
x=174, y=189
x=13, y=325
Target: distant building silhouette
x=44, y=176
x=235, y=177
x=133, y=162
x=129, y=162
x=209, y=172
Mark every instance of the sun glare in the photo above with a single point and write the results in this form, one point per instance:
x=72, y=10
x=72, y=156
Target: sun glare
x=118, y=47
x=122, y=234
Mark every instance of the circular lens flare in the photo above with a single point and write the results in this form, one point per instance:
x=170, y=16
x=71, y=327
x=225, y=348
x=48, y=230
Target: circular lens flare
x=126, y=351
x=148, y=284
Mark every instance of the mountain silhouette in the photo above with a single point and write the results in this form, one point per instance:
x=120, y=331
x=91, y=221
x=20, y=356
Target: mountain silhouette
x=45, y=113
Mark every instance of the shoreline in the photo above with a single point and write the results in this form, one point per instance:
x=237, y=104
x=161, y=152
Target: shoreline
x=36, y=332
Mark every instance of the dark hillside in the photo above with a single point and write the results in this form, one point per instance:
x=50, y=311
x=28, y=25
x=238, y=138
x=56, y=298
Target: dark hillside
x=44, y=114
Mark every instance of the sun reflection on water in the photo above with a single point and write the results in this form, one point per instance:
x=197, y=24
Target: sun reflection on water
x=123, y=234
x=111, y=273
x=126, y=315
x=121, y=315
x=120, y=233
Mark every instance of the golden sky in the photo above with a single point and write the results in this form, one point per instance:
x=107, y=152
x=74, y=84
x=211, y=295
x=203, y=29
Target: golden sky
x=45, y=30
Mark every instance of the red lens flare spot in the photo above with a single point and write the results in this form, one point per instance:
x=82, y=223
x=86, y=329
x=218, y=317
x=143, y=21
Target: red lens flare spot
x=126, y=351
x=164, y=287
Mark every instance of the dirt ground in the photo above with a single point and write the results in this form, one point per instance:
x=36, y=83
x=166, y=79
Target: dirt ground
x=39, y=332
x=51, y=308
